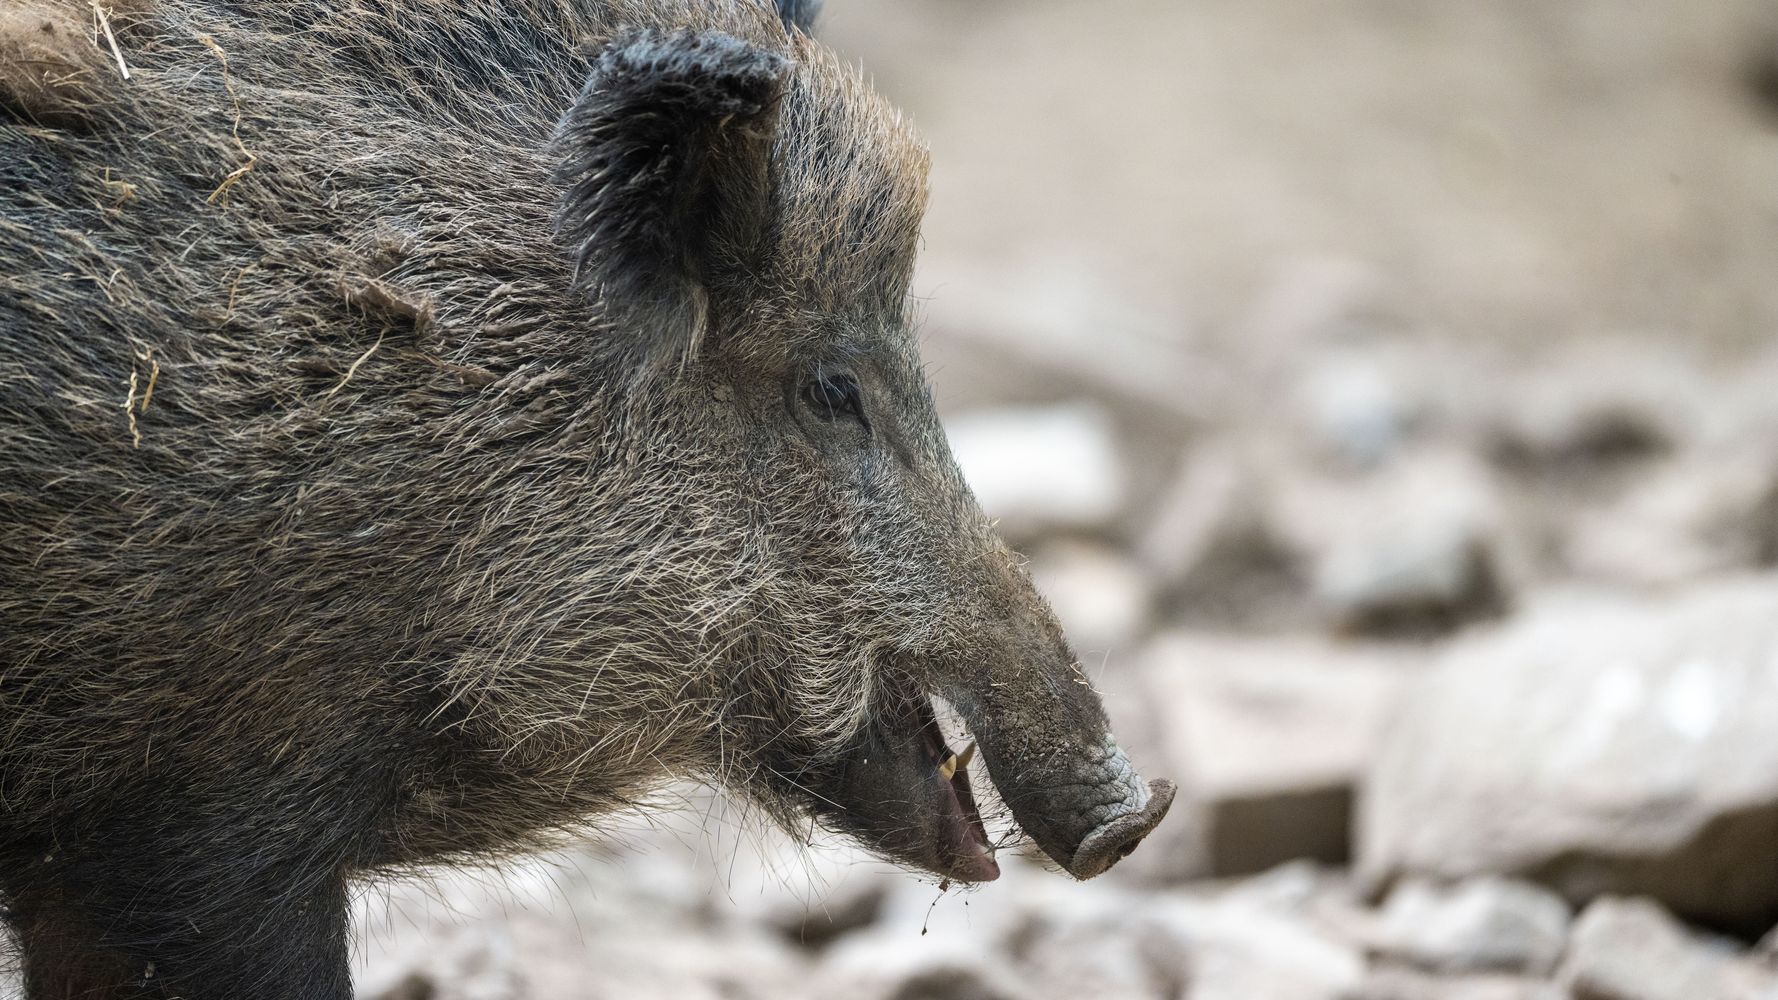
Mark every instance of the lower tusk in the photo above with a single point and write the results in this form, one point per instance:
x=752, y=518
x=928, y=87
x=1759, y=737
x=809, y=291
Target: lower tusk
x=957, y=762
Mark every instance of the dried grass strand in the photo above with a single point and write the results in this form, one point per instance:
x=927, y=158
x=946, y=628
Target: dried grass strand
x=352, y=369
x=102, y=17
x=235, y=132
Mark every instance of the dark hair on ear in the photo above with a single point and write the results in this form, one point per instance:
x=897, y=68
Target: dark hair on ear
x=663, y=160
x=800, y=14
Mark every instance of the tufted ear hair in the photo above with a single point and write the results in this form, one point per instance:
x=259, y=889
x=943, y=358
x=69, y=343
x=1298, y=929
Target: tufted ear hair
x=664, y=160
x=799, y=14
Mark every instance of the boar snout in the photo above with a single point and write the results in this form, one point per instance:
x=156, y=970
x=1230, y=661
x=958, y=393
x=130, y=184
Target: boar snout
x=1093, y=813
x=1049, y=748
x=1077, y=795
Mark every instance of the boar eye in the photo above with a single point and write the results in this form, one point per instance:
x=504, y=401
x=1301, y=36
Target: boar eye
x=833, y=396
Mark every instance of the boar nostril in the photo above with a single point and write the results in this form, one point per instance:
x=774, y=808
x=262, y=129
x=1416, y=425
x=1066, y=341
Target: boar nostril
x=1125, y=849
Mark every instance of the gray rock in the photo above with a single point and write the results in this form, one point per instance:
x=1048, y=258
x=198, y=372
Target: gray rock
x=1631, y=949
x=415, y=987
x=1615, y=747
x=1413, y=549
x=1356, y=406
x=1766, y=949
x=1594, y=406
x=1760, y=65
x=1243, y=952
x=1269, y=738
x=1320, y=897
x=1689, y=517
x=1213, y=542
x=955, y=982
x=567, y=927
x=1033, y=334
x=812, y=895
x=837, y=915
x=925, y=938
x=1482, y=925
x=1762, y=527
x=1394, y=983
x=1428, y=579
x=1126, y=955
x=1295, y=887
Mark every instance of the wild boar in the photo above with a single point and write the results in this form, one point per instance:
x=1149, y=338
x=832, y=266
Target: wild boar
x=428, y=425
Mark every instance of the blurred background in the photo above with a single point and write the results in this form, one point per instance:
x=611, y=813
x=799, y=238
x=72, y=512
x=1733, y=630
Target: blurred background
x=1386, y=395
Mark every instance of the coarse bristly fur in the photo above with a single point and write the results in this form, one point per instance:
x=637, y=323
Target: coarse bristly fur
x=426, y=425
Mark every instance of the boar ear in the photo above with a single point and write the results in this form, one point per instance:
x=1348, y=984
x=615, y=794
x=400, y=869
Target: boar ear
x=663, y=159
x=800, y=14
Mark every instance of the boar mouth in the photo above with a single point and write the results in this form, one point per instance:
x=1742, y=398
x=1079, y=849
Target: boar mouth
x=902, y=791
x=961, y=839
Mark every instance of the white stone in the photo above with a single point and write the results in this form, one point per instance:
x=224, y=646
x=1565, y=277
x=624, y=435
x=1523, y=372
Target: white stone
x=1102, y=597
x=1481, y=925
x=1631, y=949
x=1399, y=983
x=1355, y=406
x=1245, y=953
x=1041, y=468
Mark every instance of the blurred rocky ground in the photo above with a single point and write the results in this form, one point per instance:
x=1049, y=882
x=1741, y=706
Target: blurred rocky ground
x=1386, y=396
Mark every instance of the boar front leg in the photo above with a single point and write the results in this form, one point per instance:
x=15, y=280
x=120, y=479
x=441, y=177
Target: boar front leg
x=194, y=931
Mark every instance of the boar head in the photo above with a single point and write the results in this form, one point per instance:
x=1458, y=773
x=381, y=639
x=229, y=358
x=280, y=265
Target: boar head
x=744, y=218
